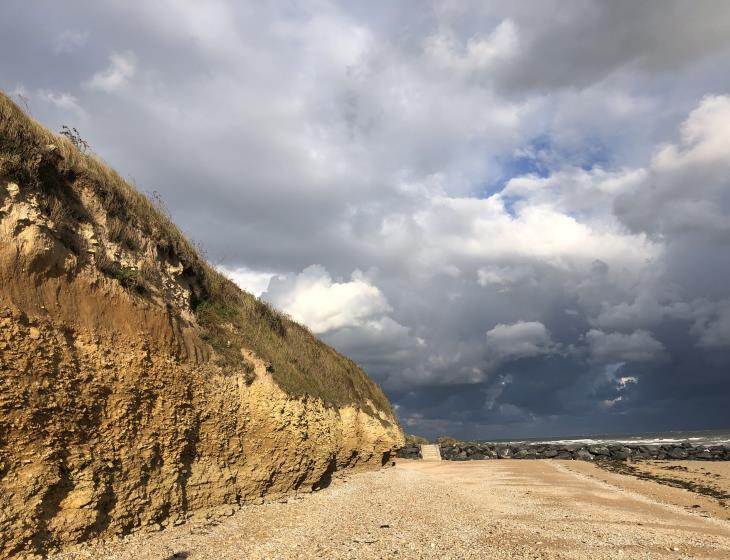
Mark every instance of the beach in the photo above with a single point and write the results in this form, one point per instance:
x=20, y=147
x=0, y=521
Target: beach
x=458, y=510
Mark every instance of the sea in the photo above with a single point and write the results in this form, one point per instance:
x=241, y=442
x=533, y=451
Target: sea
x=702, y=437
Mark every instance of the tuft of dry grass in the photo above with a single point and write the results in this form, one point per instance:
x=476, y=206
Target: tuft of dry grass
x=228, y=317
x=412, y=439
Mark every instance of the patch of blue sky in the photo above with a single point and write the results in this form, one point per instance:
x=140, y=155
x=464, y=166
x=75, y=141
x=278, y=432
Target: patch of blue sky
x=533, y=159
x=593, y=153
x=541, y=157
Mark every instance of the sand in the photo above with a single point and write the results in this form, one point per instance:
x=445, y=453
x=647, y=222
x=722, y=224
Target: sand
x=476, y=509
x=702, y=486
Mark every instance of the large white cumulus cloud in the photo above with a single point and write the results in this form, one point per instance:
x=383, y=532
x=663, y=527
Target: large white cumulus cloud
x=312, y=298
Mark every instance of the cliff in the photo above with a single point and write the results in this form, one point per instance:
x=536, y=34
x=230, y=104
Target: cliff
x=137, y=384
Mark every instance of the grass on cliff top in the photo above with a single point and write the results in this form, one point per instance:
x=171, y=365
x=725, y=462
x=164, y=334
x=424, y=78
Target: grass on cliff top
x=229, y=318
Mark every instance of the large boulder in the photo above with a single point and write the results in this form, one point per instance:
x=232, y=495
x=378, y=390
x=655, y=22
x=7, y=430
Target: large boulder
x=678, y=453
x=504, y=453
x=599, y=450
x=583, y=455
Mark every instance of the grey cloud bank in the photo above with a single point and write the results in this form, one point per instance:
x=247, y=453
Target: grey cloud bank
x=515, y=217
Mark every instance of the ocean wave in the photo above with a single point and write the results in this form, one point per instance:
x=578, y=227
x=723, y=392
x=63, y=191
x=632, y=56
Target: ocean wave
x=723, y=439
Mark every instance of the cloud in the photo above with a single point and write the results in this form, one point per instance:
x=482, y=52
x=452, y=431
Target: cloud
x=649, y=307
x=713, y=331
x=587, y=194
x=381, y=345
x=479, y=54
x=313, y=298
x=122, y=67
x=64, y=101
x=523, y=339
x=687, y=188
x=484, y=230
x=621, y=385
x=253, y=281
x=638, y=346
x=69, y=41
x=591, y=41
x=505, y=278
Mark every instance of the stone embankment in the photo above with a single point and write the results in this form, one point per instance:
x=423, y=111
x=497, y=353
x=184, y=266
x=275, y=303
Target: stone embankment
x=471, y=451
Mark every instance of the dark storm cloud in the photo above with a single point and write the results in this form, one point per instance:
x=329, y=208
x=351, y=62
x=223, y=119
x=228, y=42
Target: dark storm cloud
x=514, y=216
x=595, y=39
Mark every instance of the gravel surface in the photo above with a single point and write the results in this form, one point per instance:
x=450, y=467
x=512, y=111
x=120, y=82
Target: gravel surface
x=445, y=510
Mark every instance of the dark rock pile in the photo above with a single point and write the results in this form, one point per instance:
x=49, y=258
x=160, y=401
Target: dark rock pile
x=409, y=452
x=471, y=451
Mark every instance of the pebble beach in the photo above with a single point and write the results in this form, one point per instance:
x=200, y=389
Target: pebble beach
x=458, y=510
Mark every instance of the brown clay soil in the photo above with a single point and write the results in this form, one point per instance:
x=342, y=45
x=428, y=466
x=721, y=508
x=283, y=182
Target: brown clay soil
x=475, y=509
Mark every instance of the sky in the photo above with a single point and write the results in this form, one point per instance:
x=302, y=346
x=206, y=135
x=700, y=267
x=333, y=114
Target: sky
x=515, y=216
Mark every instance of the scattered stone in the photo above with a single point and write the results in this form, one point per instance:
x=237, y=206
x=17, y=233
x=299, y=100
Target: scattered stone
x=227, y=511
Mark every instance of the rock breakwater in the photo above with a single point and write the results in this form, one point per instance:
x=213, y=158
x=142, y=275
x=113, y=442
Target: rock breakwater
x=475, y=451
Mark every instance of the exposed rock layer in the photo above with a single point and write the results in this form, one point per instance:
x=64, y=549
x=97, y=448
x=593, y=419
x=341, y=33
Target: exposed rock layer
x=113, y=414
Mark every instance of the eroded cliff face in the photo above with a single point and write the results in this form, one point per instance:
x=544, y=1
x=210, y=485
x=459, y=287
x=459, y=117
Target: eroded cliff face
x=113, y=415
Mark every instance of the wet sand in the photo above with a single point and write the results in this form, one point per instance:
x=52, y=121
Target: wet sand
x=475, y=509
x=703, y=486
